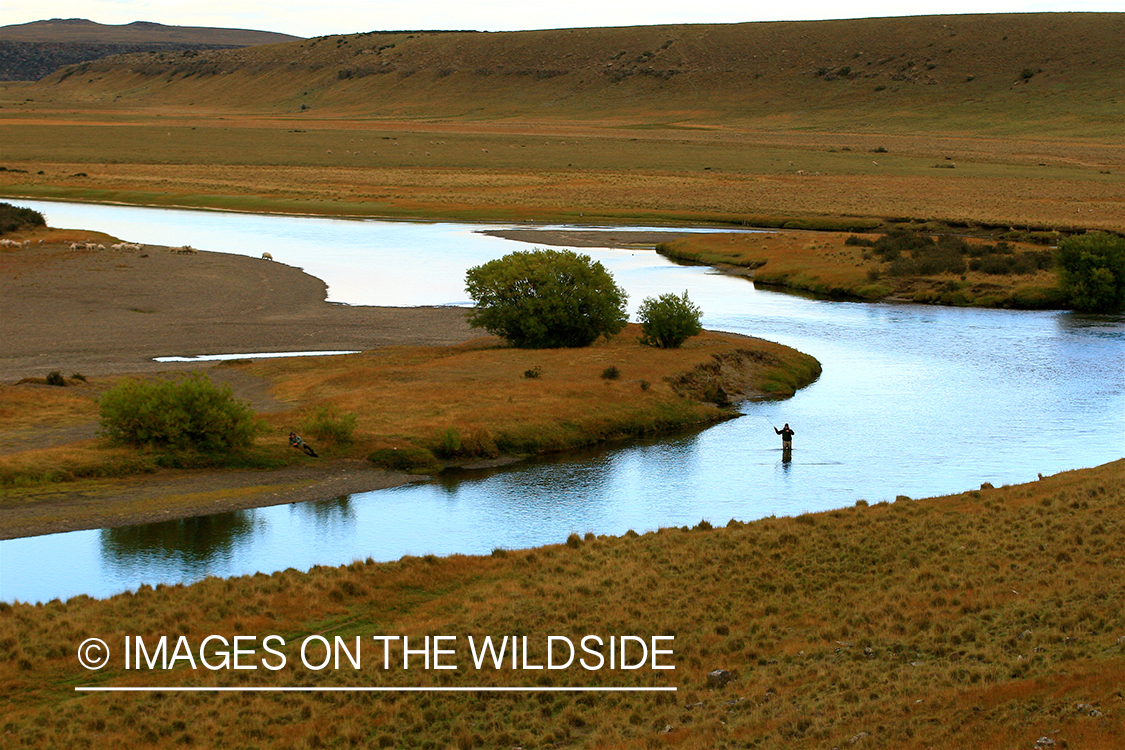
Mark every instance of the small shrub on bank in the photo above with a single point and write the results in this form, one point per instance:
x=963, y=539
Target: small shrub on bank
x=668, y=321
x=55, y=378
x=190, y=413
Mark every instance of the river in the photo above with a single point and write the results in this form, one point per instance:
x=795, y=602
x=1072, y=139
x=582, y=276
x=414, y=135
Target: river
x=914, y=400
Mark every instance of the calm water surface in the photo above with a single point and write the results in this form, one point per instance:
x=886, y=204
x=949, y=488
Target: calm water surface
x=914, y=400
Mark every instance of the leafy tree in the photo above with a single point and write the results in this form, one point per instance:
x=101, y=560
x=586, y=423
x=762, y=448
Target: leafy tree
x=1092, y=271
x=539, y=299
x=668, y=321
x=190, y=413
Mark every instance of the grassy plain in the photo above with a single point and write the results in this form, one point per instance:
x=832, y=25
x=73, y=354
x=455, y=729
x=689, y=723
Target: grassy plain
x=552, y=172
x=990, y=618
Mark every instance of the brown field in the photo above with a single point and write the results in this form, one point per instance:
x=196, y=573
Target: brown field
x=561, y=172
x=990, y=618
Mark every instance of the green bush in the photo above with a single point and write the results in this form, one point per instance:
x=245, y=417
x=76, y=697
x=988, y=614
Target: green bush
x=329, y=424
x=18, y=217
x=668, y=321
x=190, y=413
x=1092, y=271
x=546, y=298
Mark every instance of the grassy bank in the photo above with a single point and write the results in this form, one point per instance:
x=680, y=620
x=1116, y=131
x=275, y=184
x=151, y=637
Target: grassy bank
x=843, y=265
x=416, y=408
x=583, y=172
x=990, y=618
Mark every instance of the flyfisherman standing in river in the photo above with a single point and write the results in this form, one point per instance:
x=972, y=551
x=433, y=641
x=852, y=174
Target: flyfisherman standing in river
x=786, y=437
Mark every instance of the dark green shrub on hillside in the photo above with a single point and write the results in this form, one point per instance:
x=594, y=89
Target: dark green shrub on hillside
x=13, y=218
x=545, y=299
x=190, y=413
x=668, y=321
x=1092, y=271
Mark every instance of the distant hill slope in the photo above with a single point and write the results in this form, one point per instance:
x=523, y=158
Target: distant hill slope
x=979, y=72
x=32, y=50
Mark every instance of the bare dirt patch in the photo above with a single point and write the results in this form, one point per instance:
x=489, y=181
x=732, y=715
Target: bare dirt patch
x=100, y=312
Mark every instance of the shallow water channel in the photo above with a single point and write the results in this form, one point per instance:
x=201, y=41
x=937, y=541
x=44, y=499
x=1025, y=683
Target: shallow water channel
x=914, y=400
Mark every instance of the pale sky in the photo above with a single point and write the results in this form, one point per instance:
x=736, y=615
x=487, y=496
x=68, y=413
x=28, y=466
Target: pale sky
x=310, y=18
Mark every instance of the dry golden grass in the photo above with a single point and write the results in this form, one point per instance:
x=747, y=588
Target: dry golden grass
x=988, y=619
x=459, y=402
x=823, y=263
x=31, y=405
x=482, y=392
x=597, y=175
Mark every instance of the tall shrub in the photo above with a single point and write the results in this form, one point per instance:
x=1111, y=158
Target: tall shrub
x=1092, y=271
x=541, y=299
x=190, y=413
x=668, y=321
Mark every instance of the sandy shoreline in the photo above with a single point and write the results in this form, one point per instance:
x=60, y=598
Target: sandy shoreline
x=101, y=313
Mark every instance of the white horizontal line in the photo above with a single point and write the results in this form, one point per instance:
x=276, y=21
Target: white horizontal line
x=258, y=355
x=378, y=689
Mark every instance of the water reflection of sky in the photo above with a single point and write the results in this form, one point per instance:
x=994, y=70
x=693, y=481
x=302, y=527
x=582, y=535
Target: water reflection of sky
x=913, y=401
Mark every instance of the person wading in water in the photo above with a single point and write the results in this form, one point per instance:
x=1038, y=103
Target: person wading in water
x=786, y=437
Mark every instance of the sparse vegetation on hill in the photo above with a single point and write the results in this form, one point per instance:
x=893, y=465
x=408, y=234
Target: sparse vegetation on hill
x=961, y=72
x=32, y=50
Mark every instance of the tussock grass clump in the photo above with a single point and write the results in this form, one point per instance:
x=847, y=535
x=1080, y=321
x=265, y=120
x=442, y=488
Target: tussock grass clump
x=329, y=424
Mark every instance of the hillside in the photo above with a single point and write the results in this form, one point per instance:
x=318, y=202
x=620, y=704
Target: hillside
x=139, y=32
x=30, y=51
x=982, y=73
